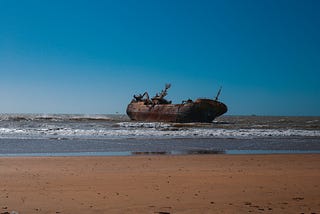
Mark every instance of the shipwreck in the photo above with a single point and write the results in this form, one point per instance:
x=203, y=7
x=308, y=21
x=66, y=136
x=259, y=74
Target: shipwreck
x=158, y=109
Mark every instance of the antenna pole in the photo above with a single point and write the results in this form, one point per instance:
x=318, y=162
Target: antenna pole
x=218, y=94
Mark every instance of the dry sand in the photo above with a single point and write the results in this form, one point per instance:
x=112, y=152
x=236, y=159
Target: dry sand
x=161, y=184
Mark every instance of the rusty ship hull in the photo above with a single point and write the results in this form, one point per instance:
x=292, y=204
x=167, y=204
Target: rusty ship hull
x=201, y=110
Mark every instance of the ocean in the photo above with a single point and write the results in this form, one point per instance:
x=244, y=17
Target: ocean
x=113, y=135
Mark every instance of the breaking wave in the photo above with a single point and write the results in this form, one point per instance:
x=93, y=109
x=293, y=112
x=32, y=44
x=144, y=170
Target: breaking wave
x=60, y=117
x=148, y=131
x=119, y=126
x=155, y=125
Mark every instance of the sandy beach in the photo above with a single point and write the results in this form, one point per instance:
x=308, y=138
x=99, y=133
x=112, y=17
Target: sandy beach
x=161, y=184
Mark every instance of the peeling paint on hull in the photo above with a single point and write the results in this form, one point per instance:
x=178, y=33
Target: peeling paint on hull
x=202, y=110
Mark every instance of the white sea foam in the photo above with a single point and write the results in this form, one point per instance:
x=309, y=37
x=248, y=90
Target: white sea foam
x=144, y=125
x=57, y=117
x=152, y=130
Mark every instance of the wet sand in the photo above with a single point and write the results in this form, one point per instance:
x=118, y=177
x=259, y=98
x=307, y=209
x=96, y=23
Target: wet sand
x=161, y=184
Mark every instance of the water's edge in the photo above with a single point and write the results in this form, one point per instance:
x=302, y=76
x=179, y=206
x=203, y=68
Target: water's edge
x=128, y=153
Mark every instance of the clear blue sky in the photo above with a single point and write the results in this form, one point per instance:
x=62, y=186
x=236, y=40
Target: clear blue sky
x=92, y=56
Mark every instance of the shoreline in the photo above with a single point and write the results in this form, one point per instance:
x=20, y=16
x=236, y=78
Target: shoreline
x=161, y=153
x=280, y=183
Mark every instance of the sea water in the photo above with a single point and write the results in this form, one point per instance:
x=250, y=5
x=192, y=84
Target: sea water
x=75, y=135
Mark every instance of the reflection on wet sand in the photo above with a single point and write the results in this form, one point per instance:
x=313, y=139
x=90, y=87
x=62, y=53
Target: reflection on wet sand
x=171, y=153
x=187, y=152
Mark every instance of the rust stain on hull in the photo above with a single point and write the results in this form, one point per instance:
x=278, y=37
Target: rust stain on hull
x=159, y=109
